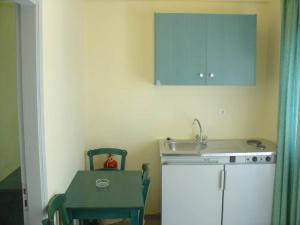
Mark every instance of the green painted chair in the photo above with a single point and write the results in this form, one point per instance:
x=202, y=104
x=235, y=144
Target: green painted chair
x=101, y=151
x=56, y=204
x=146, y=184
x=145, y=169
x=104, y=151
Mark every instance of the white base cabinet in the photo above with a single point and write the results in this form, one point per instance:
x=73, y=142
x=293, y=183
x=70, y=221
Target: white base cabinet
x=191, y=194
x=238, y=194
x=248, y=194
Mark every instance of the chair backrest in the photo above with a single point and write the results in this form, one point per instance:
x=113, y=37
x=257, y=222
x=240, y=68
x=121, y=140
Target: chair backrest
x=101, y=151
x=145, y=169
x=56, y=204
x=146, y=184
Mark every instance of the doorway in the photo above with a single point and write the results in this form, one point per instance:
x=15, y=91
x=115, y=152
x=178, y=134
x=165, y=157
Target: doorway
x=11, y=197
x=22, y=167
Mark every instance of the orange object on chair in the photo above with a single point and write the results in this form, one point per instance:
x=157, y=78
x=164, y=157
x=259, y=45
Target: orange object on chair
x=110, y=163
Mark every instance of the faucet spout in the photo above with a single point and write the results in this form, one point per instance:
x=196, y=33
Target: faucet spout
x=198, y=136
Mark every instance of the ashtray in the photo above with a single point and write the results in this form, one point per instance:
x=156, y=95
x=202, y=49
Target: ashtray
x=102, y=183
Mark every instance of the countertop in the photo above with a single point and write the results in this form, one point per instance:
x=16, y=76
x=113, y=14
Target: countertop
x=227, y=147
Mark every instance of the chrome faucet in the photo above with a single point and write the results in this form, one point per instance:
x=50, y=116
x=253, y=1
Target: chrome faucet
x=199, y=137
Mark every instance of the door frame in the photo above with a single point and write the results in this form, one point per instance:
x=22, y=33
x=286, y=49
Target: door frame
x=30, y=105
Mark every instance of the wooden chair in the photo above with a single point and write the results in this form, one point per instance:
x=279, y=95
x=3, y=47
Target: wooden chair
x=145, y=174
x=146, y=184
x=56, y=204
x=101, y=151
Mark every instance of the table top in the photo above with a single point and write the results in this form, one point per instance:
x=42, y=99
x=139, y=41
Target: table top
x=125, y=190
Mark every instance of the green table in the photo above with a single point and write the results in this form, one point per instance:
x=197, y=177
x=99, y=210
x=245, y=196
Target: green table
x=122, y=199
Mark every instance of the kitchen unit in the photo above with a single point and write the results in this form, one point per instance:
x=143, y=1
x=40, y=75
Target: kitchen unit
x=229, y=182
x=205, y=49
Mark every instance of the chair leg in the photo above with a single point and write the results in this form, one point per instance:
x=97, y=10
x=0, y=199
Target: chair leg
x=141, y=217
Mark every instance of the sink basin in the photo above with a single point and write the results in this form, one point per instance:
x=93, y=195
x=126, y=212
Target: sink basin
x=230, y=147
x=183, y=147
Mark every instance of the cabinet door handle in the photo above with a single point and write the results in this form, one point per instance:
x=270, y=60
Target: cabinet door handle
x=201, y=75
x=222, y=180
x=211, y=75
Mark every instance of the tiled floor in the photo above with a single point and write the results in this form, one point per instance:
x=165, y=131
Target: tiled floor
x=150, y=220
x=153, y=221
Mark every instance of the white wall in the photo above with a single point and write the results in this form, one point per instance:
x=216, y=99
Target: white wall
x=125, y=108
x=272, y=89
x=63, y=91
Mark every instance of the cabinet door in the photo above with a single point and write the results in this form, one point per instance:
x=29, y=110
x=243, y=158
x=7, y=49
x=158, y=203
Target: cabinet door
x=191, y=194
x=248, y=194
x=180, y=50
x=231, y=49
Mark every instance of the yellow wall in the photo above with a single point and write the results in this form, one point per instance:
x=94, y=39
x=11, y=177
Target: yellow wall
x=9, y=130
x=272, y=88
x=126, y=110
x=99, y=70
x=63, y=92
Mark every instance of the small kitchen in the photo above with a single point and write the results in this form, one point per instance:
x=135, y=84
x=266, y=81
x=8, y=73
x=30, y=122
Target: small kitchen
x=222, y=181
x=187, y=91
x=116, y=99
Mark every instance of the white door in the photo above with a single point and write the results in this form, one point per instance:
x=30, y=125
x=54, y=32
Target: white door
x=191, y=194
x=248, y=194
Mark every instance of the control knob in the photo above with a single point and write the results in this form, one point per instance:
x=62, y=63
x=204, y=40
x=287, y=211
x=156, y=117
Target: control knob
x=268, y=158
x=254, y=159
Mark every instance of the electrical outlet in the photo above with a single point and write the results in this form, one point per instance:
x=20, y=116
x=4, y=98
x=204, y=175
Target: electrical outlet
x=222, y=112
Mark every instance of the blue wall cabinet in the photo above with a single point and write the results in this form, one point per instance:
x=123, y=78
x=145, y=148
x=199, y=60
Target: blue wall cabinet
x=205, y=49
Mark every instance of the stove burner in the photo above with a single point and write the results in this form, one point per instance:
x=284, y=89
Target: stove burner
x=256, y=143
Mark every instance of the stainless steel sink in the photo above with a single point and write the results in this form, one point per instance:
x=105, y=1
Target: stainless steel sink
x=230, y=147
x=183, y=147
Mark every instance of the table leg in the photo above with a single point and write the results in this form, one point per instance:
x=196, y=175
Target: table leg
x=134, y=216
